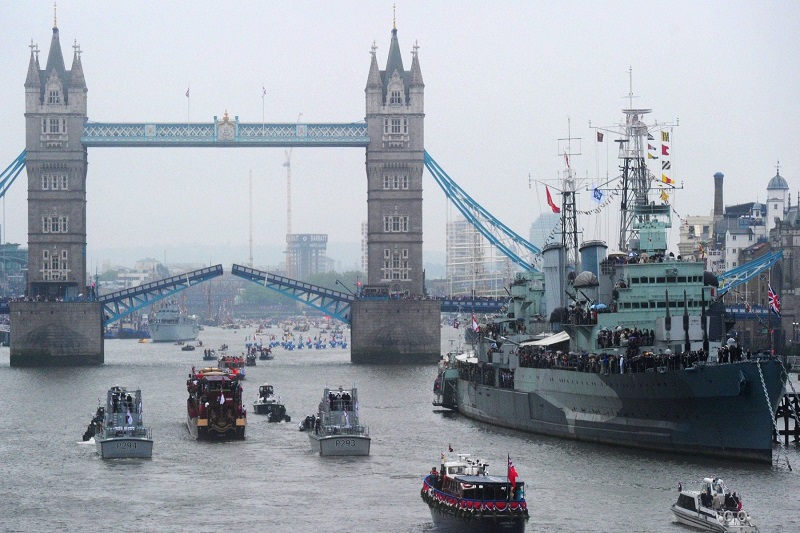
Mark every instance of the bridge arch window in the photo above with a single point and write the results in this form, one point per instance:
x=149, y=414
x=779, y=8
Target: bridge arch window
x=54, y=265
x=395, y=265
x=395, y=181
x=57, y=125
x=55, y=182
x=395, y=223
x=54, y=96
x=394, y=97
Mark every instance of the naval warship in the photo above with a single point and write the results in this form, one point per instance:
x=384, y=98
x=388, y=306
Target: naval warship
x=639, y=355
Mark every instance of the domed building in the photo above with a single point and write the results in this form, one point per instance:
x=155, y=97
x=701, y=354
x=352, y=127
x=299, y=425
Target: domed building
x=777, y=197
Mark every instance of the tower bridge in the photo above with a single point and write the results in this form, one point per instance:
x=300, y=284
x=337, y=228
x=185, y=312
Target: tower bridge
x=59, y=133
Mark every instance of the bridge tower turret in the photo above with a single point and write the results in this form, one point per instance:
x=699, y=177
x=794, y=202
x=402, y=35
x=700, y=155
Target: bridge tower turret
x=395, y=161
x=55, y=112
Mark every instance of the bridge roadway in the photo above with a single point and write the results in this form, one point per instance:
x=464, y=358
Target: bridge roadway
x=337, y=304
x=225, y=133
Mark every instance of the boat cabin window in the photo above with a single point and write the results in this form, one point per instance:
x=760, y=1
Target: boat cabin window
x=686, y=502
x=483, y=492
x=453, y=470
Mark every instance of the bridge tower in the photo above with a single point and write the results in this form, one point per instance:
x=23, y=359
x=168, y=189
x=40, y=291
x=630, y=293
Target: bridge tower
x=395, y=160
x=55, y=112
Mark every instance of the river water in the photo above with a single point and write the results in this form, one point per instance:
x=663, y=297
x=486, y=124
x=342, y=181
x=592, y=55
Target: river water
x=272, y=481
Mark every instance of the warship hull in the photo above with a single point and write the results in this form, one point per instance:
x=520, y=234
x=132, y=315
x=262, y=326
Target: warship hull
x=718, y=410
x=185, y=331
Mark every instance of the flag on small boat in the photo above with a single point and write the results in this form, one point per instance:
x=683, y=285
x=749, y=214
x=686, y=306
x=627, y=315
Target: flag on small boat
x=474, y=323
x=512, y=473
x=128, y=418
x=221, y=398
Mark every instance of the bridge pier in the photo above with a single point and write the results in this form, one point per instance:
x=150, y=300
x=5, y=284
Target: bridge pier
x=56, y=334
x=396, y=332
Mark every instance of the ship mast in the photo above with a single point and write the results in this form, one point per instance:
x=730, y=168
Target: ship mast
x=569, y=219
x=635, y=179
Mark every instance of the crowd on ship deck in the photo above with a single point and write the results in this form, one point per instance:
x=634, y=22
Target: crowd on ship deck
x=631, y=361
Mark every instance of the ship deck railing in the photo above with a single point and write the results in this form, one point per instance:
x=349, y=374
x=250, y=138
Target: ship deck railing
x=357, y=430
x=593, y=364
x=139, y=432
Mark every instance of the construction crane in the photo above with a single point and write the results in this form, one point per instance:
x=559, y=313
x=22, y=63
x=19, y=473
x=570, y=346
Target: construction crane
x=288, y=165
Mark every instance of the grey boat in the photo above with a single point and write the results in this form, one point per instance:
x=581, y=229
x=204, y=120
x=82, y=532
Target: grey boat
x=639, y=357
x=170, y=324
x=339, y=430
x=122, y=433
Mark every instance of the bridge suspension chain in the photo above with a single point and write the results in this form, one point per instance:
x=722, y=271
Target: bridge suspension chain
x=510, y=244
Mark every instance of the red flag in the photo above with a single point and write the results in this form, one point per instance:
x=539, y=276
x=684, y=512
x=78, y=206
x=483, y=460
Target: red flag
x=474, y=323
x=512, y=473
x=550, y=202
x=599, y=136
x=665, y=150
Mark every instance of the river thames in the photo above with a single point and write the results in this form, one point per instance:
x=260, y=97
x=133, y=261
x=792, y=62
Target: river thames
x=273, y=481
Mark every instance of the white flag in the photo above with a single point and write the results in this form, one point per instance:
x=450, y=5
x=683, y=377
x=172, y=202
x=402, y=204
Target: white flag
x=221, y=398
x=129, y=418
x=346, y=420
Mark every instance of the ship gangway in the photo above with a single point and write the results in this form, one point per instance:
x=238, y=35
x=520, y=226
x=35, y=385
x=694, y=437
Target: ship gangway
x=119, y=304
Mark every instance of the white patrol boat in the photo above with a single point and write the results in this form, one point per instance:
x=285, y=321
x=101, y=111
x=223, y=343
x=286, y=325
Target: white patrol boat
x=122, y=433
x=339, y=430
x=712, y=508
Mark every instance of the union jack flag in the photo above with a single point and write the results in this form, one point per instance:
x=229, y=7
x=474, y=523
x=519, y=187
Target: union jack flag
x=774, y=301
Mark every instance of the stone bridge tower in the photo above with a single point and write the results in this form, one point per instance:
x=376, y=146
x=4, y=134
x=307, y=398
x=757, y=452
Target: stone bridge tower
x=55, y=112
x=395, y=161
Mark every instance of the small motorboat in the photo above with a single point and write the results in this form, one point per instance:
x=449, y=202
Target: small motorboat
x=268, y=404
x=463, y=497
x=187, y=348
x=712, y=508
x=308, y=423
x=96, y=425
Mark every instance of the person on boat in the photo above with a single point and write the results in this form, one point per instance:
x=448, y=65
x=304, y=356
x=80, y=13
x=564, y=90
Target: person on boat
x=730, y=504
x=705, y=498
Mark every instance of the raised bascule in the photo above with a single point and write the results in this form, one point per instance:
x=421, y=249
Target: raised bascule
x=49, y=331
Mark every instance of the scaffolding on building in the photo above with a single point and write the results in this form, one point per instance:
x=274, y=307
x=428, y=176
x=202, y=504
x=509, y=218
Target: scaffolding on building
x=474, y=266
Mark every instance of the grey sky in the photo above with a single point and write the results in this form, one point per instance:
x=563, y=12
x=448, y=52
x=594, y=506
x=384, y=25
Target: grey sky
x=501, y=81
